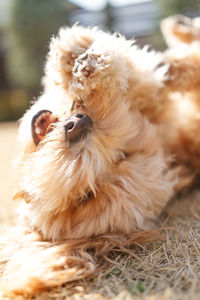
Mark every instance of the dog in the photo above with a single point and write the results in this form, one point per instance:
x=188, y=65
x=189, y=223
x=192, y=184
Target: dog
x=101, y=156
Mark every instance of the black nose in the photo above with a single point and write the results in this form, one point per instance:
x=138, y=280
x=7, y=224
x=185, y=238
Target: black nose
x=77, y=126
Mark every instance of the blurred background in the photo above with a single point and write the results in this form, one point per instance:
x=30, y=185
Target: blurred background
x=26, y=27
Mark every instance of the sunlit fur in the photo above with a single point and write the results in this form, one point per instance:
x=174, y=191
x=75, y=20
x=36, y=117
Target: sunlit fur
x=121, y=161
x=116, y=180
x=182, y=35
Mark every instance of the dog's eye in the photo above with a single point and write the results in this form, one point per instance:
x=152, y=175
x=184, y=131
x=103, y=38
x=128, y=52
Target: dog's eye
x=42, y=123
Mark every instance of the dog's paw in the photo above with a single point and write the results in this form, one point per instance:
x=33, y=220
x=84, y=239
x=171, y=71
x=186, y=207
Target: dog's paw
x=64, y=51
x=88, y=66
x=85, y=59
x=180, y=29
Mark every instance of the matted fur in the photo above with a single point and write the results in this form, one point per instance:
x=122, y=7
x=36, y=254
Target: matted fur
x=112, y=184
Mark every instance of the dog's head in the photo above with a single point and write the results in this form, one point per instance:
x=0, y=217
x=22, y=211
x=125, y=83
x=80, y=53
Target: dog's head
x=87, y=152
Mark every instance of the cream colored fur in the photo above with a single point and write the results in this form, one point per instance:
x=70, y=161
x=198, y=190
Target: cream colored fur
x=115, y=181
x=121, y=161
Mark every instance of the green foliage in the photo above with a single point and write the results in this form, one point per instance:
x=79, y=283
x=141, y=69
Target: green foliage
x=31, y=24
x=114, y=272
x=137, y=287
x=12, y=104
x=172, y=7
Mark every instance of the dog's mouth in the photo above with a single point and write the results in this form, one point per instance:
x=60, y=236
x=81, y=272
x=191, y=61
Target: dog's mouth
x=42, y=123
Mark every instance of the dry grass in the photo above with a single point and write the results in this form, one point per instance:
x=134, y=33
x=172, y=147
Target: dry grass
x=168, y=269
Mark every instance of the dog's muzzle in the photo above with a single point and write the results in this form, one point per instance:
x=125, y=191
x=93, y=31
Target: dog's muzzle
x=77, y=127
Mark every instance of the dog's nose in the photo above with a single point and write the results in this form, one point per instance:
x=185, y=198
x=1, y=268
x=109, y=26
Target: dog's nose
x=77, y=126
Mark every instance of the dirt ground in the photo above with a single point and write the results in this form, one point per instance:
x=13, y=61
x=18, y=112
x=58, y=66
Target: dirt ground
x=8, y=152
x=168, y=269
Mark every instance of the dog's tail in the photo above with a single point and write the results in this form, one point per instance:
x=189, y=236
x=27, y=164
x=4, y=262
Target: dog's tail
x=31, y=265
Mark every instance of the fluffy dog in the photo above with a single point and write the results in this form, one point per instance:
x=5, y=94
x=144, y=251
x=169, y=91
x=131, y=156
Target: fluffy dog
x=99, y=156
